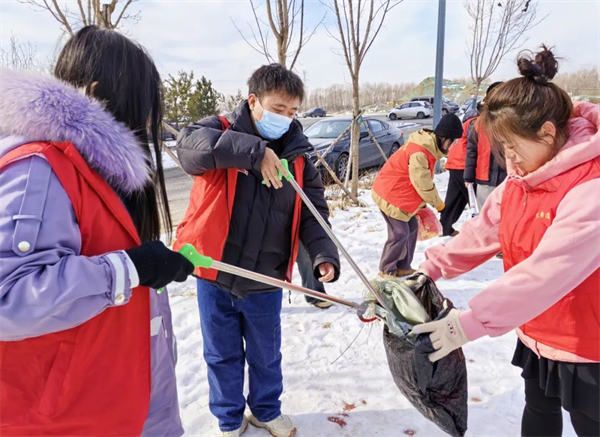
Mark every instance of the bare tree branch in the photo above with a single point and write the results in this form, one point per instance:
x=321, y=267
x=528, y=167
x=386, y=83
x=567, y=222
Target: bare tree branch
x=82, y=12
x=342, y=39
x=354, y=45
x=270, y=16
x=283, y=20
x=60, y=13
x=54, y=10
x=301, y=41
x=261, y=40
x=122, y=12
x=71, y=20
x=388, y=8
x=292, y=24
x=261, y=47
x=496, y=30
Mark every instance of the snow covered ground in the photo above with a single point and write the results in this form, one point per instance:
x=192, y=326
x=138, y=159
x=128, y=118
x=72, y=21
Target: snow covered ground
x=356, y=390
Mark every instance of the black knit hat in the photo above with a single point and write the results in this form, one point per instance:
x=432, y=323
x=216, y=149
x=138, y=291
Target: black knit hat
x=449, y=127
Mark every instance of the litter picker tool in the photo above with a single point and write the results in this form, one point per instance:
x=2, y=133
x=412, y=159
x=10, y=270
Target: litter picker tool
x=473, y=201
x=206, y=262
x=315, y=212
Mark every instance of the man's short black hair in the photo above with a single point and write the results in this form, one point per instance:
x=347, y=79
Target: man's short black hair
x=275, y=78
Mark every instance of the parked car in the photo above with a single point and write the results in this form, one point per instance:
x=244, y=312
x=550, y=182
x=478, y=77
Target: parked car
x=467, y=108
x=411, y=110
x=469, y=103
x=165, y=136
x=315, y=112
x=448, y=106
x=324, y=132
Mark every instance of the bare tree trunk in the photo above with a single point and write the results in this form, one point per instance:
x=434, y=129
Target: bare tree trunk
x=349, y=165
x=355, y=134
x=477, y=88
x=281, y=53
x=104, y=19
x=335, y=178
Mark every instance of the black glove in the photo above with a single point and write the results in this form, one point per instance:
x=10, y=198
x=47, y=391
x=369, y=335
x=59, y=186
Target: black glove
x=158, y=266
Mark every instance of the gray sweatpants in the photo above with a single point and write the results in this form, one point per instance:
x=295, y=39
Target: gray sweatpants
x=399, y=249
x=483, y=192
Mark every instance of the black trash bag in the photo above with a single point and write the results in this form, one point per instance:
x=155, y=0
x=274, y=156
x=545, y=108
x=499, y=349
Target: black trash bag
x=437, y=390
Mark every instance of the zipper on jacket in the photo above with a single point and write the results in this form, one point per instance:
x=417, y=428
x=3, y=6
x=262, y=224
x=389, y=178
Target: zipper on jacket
x=516, y=226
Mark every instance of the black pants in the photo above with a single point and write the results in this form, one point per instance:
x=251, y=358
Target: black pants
x=307, y=274
x=543, y=415
x=457, y=197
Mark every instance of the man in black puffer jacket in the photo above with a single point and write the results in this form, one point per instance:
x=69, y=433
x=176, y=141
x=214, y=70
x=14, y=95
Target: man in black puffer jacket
x=260, y=232
x=487, y=174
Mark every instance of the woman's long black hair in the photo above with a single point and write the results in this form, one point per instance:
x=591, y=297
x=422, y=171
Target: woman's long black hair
x=118, y=72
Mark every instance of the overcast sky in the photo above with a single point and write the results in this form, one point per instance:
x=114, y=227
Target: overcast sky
x=199, y=35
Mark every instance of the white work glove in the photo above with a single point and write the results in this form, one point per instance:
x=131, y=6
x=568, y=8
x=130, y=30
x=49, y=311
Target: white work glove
x=446, y=334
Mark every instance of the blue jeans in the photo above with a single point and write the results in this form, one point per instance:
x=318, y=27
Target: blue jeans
x=227, y=322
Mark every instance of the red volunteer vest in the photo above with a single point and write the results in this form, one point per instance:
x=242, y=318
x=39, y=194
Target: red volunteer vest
x=207, y=219
x=92, y=380
x=572, y=324
x=484, y=149
x=393, y=183
x=458, y=151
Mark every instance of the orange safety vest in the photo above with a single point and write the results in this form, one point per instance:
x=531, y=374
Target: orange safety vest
x=572, y=324
x=393, y=183
x=484, y=149
x=457, y=154
x=92, y=380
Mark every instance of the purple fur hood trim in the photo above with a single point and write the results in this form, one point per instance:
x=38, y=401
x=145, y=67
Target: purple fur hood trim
x=42, y=108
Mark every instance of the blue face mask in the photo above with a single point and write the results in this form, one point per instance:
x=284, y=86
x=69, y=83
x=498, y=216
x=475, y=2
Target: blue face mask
x=272, y=126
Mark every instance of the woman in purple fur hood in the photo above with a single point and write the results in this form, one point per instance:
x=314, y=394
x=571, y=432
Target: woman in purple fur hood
x=86, y=341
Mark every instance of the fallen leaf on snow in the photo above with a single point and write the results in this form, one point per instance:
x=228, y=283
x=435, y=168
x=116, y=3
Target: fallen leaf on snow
x=349, y=407
x=337, y=420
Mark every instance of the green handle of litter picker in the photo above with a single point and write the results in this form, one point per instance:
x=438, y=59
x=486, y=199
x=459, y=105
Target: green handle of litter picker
x=192, y=255
x=286, y=165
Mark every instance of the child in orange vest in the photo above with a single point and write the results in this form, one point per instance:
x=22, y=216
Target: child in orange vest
x=545, y=218
x=405, y=185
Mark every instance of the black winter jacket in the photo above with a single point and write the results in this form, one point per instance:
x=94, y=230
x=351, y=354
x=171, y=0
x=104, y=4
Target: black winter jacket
x=261, y=223
x=497, y=174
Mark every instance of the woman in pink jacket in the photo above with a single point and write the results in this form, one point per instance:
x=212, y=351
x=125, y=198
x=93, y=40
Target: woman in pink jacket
x=545, y=218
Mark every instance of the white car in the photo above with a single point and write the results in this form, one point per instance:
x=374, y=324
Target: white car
x=411, y=110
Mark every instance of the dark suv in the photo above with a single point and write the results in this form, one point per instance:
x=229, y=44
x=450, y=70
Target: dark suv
x=315, y=112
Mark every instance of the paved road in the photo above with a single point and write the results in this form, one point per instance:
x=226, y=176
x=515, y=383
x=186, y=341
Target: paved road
x=179, y=184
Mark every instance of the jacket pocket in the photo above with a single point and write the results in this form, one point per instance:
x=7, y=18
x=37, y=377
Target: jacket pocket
x=56, y=377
